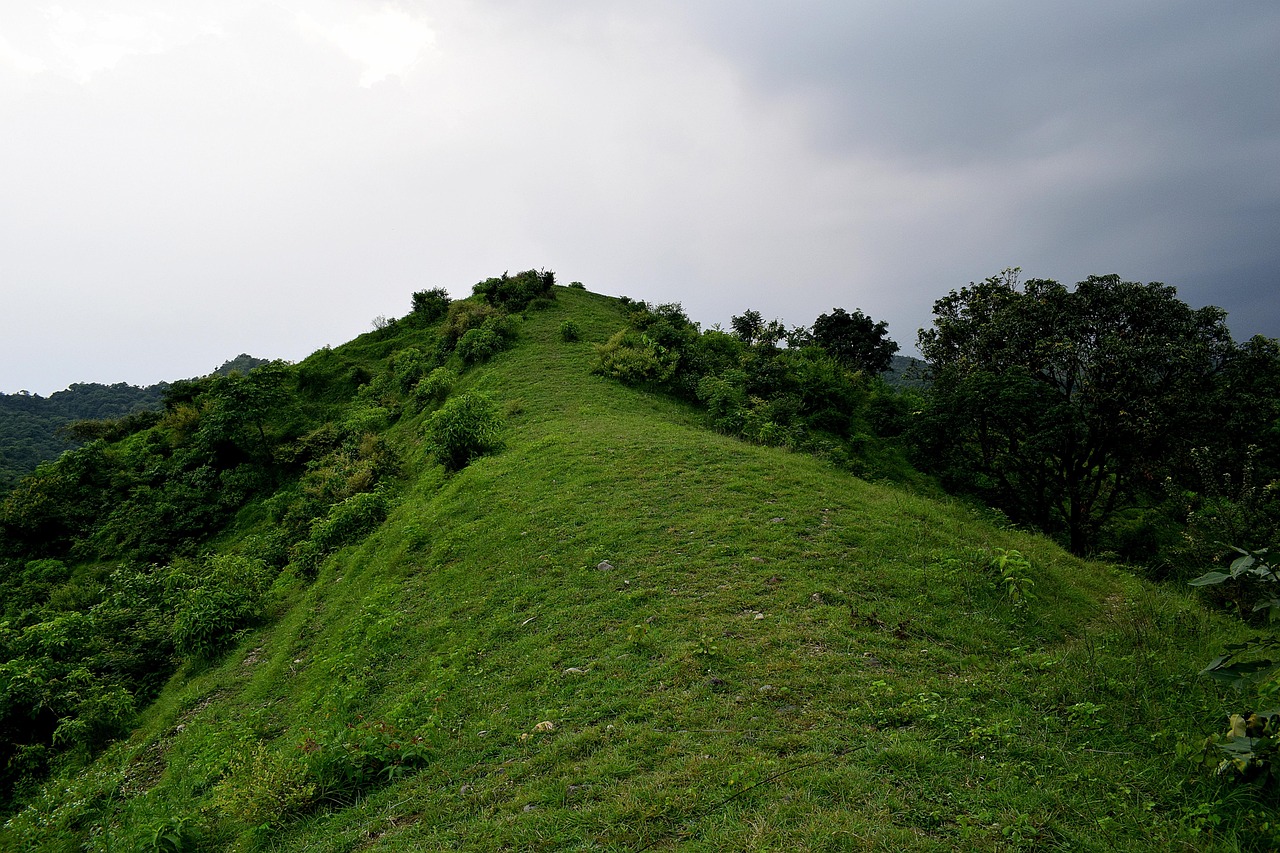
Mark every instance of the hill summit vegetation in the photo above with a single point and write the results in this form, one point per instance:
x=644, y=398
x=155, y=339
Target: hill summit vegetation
x=544, y=569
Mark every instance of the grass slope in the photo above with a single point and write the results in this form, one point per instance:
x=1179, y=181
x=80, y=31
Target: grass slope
x=782, y=656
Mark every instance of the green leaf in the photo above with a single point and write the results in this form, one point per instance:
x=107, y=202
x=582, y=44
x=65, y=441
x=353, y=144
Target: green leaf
x=1210, y=579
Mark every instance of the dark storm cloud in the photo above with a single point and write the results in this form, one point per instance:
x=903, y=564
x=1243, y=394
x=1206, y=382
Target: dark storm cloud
x=183, y=182
x=1164, y=117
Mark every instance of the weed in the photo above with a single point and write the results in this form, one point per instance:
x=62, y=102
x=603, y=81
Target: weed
x=1015, y=576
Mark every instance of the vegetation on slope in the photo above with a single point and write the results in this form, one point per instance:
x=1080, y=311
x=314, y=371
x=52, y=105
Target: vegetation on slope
x=621, y=631
x=35, y=429
x=30, y=424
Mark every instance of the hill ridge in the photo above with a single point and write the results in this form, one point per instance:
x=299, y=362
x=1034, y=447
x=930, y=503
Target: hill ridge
x=779, y=656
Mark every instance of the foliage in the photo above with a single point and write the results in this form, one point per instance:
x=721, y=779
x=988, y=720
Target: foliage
x=1015, y=576
x=636, y=359
x=1059, y=405
x=430, y=305
x=464, y=316
x=516, y=293
x=491, y=337
x=35, y=429
x=855, y=340
x=1251, y=745
x=266, y=787
x=462, y=429
x=435, y=387
x=798, y=397
x=214, y=600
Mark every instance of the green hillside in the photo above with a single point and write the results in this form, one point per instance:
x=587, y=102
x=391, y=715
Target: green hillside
x=625, y=631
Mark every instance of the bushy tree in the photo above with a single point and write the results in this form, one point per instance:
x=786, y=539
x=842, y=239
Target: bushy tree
x=1058, y=404
x=430, y=305
x=462, y=429
x=855, y=340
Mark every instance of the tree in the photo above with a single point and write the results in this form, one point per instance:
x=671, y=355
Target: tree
x=430, y=305
x=1058, y=404
x=855, y=340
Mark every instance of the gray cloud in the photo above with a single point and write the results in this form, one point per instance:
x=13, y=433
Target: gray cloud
x=268, y=176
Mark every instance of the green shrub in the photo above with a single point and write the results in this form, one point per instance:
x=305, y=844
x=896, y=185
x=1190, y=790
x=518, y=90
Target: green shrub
x=225, y=595
x=346, y=522
x=517, y=292
x=492, y=337
x=435, y=387
x=463, y=317
x=636, y=359
x=463, y=428
x=350, y=520
x=569, y=332
x=430, y=305
x=264, y=788
x=407, y=367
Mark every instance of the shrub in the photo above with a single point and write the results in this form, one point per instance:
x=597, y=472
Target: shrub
x=227, y=594
x=344, y=523
x=491, y=338
x=569, y=332
x=430, y=305
x=435, y=387
x=462, y=429
x=350, y=520
x=636, y=359
x=407, y=367
x=515, y=293
x=464, y=316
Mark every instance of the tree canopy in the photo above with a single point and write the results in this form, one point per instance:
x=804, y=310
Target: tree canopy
x=855, y=340
x=1055, y=403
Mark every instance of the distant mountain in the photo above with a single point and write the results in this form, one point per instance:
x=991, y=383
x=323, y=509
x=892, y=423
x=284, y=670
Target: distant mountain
x=31, y=425
x=906, y=372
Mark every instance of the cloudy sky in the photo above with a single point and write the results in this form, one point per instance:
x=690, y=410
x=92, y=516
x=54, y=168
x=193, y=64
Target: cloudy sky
x=182, y=182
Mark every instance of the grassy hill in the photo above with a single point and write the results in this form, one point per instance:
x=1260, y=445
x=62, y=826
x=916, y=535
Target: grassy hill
x=625, y=631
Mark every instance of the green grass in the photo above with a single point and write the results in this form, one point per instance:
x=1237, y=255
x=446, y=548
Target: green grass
x=783, y=657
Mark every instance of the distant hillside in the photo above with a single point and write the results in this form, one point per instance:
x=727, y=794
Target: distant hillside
x=906, y=372
x=30, y=425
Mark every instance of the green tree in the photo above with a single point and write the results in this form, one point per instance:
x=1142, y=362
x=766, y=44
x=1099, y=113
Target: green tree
x=430, y=305
x=1058, y=404
x=855, y=340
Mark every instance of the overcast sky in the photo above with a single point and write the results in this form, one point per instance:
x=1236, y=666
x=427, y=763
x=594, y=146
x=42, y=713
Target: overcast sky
x=182, y=182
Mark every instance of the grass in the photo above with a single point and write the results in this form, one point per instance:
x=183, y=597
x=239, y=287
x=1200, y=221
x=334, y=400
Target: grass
x=781, y=656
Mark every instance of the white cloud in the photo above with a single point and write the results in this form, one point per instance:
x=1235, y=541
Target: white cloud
x=389, y=42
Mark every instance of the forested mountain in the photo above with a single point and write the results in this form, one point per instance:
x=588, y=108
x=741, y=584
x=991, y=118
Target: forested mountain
x=32, y=428
x=544, y=569
x=30, y=425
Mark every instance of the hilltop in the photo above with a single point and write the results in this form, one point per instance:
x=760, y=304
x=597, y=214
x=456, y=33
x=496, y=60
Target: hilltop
x=622, y=630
